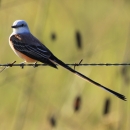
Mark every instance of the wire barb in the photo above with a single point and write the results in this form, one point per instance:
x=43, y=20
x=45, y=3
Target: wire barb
x=77, y=64
x=22, y=65
x=7, y=65
x=11, y=64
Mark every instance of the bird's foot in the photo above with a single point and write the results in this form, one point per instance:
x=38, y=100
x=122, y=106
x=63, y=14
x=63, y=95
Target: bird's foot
x=35, y=65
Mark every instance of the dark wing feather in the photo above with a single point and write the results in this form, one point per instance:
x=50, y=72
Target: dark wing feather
x=35, y=51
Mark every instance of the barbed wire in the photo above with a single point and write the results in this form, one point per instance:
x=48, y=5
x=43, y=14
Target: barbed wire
x=75, y=64
x=22, y=65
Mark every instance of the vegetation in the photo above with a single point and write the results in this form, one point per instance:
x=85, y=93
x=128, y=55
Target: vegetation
x=42, y=97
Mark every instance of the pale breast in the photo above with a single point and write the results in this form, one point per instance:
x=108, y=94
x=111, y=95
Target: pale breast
x=24, y=57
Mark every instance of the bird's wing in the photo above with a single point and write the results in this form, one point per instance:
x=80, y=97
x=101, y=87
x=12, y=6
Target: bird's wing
x=30, y=46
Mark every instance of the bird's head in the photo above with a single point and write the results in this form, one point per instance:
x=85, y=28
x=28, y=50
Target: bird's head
x=20, y=26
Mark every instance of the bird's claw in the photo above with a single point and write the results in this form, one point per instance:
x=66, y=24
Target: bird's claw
x=35, y=65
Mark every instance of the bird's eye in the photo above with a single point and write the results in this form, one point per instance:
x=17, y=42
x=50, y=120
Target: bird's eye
x=22, y=25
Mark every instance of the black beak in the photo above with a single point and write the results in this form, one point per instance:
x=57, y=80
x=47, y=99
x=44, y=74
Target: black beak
x=16, y=26
x=13, y=26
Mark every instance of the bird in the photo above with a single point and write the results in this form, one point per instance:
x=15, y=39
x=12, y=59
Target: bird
x=30, y=49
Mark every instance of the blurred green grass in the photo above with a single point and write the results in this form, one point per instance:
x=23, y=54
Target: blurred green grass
x=28, y=97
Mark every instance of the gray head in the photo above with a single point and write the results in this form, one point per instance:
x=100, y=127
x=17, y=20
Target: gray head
x=20, y=26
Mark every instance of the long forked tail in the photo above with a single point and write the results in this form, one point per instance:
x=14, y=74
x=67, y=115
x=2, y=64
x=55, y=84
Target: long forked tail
x=88, y=79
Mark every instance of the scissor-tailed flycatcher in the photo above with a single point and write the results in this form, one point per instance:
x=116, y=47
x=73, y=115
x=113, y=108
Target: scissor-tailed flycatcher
x=30, y=49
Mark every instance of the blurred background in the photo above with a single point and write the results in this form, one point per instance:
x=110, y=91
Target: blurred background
x=44, y=98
